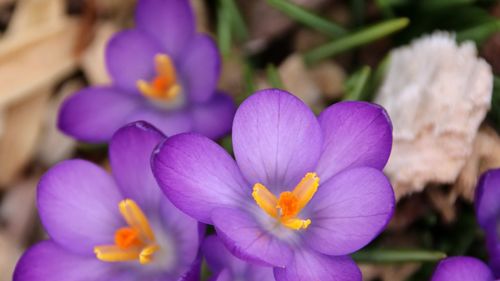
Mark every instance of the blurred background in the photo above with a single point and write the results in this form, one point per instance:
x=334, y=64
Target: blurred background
x=430, y=63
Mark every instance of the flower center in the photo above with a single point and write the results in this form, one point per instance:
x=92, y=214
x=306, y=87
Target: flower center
x=287, y=207
x=134, y=242
x=163, y=86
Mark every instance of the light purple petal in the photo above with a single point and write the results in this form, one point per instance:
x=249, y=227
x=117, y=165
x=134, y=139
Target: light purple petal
x=308, y=265
x=197, y=175
x=130, y=153
x=224, y=275
x=220, y=259
x=276, y=139
x=167, y=121
x=349, y=211
x=94, y=114
x=355, y=134
x=193, y=274
x=462, y=269
x=217, y=256
x=214, y=118
x=486, y=201
x=78, y=205
x=170, y=22
x=200, y=68
x=47, y=261
x=245, y=238
x=130, y=57
x=185, y=231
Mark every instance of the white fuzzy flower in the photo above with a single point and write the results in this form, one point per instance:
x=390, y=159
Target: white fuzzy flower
x=436, y=93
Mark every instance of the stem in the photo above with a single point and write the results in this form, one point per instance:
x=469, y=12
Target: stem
x=307, y=18
x=361, y=37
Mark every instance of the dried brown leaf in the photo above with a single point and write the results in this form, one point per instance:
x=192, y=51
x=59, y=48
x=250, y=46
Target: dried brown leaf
x=485, y=155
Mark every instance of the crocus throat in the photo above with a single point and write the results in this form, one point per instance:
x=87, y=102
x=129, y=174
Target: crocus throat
x=288, y=205
x=136, y=241
x=163, y=86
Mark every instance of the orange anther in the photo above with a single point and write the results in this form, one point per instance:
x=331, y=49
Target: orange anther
x=164, y=84
x=127, y=237
x=288, y=204
x=287, y=207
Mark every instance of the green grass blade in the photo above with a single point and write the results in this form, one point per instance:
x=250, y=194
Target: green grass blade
x=248, y=83
x=307, y=18
x=397, y=256
x=494, y=113
x=237, y=23
x=361, y=37
x=480, y=32
x=223, y=28
x=273, y=76
x=356, y=85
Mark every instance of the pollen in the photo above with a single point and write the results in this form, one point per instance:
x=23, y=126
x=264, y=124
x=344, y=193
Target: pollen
x=164, y=85
x=287, y=207
x=135, y=242
x=288, y=204
x=127, y=237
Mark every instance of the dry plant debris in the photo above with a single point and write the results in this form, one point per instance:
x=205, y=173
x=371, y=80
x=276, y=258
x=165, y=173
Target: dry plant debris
x=437, y=94
x=35, y=53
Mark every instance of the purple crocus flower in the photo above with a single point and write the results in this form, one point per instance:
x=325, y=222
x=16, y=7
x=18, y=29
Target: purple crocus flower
x=226, y=267
x=487, y=206
x=269, y=207
x=462, y=269
x=117, y=227
x=162, y=71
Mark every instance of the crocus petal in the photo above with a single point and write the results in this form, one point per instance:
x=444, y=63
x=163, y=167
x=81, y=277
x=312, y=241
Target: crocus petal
x=493, y=247
x=185, y=231
x=276, y=139
x=214, y=118
x=130, y=153
x=224, y=275
x=308, y=265
x=219, y=259
x=462, y=269
x=197, y=175
x=170, y=22
x=349, y=211
x=495, y=265
x=193, y=274
x=46, y=261
x=486, y=201
x=200, y=68
x=78, y=205
x=246, y=239
x=216, y=254
x=168, y=122
x=355, y=134
x=94, y=114
x=130, y=57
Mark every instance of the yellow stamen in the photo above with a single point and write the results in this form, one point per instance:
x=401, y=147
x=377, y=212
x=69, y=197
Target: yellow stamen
x=306, y=189
x=113, y=253
x=134, y=217
x=287, y=207
x=265, y=199
x=164, y=85
x=147, y=254
x=135, y=242
x=296, y=224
